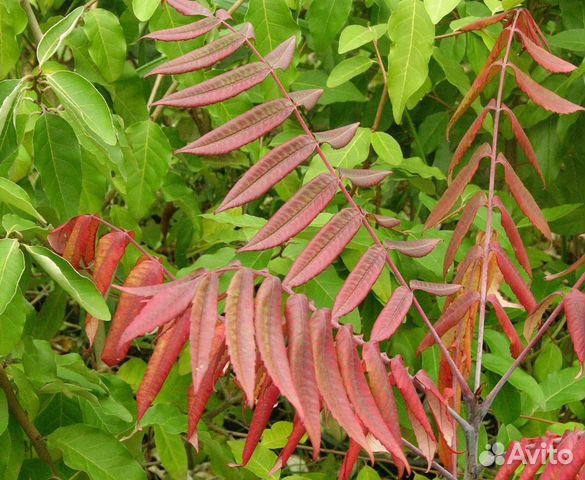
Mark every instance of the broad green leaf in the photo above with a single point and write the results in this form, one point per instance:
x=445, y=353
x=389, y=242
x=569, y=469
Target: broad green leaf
x=573, y=40
x=437, y=9
x=277, y=435
x=347, y=92
x=368, y=473
x=79, y=287
x=563, y=387
x=549, y=360
x=11, y=268
x=148, y=165
x=412, y=34
x=166, y=416
x=387, y=148
x=9, y=48
x=13, y=195
x=326, y=18
x=347, y=69
x=273, y=23
x=12, y=448
x=58, y=160
x=53, y=38
x=96, y=453
x=355, y=36
x=3, y=412
x=173, y=455
x=85, y=103
x=12, y=323
x=12, y=88
x=107, y=45
x=144, y=9
x=261, y=462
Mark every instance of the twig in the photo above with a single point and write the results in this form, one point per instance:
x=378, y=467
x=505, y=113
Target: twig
x=235, y=6
x=384, y=97
x=155, y=87
x=32, y=20
x=158, y=110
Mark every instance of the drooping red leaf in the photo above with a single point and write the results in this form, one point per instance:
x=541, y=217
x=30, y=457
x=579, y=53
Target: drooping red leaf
x=524, y=199
x=413, y=248
x=291, y=445
x=573, y=268
x=484, y=22
x=75, y=240
x=198, y=400
x=392, y=315
x=540, y=455
x=437, y=289
x=469, y=138
x=514, y=279
x=545, y=59
x=146, y=272
x=453, y=193
x=169, y=344
x=239, y=325
x=451, y=317
x=207, y=55
x=361, y=398
x=573, y=442
x=266, y=403
x=203, y=319
x=463, y=225
x=439, y=408
x=329, y=378
x=150, y=291
x=514, y=236
x=529, y=26
x=296, y=214
x=185, y=32
x=189, y=8
x=349, y=461
x=302, y=365
x=510, y=465
x=269, y=171
x=534, y=320
x=416, y=412
x=516, y=346
x=338, y=137
x=364, y=178
x=543, y=97
x=575, y=311
x=523, y=141
x=474, y=254
x=384, y=221
x=325, y=247
x=360, y=281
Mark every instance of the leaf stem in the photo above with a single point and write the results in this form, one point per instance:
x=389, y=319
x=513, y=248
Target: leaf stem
x=384, y=96
x=32, y=20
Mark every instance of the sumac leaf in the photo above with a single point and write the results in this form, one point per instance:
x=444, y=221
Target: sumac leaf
x=189, y=8
x=75, y=240
x=282, y=56
x=574, y=304
x=291, y=445
x=573, y=268
x=186, y=32
x=392, y=315
x=364, y=178
x=534, y=320
x=437, y=289
x=384, y=221
x=514, y=236
x=573, y=442
x=349, y=460
x=484, y=22
x=413, y=248
x=516, y=346
x=510, y=465
x=545, y=59
x=339, y=137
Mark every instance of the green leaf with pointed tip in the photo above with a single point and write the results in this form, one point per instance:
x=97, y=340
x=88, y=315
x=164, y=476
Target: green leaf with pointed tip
x=347, y=69
x=9, y=92
x=13, y=195
x=171, y=449
x=355, y=36
x=272, y=21
x=368, y=473
x=261, y=462
x=326, y=18
x=12, y=323
x=437, y=9
x=79, y=287
x=53, y=38
x=11, y=268
x=144, y=9
x=563, y=387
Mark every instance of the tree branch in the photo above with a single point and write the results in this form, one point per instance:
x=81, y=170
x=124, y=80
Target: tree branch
x=32, y=20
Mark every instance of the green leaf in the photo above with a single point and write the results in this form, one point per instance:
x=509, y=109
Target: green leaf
x=261, y=462
x=563, y=387
x=368, y=473
x=354, y=36
x=9, y=48
x=437, y=9
x=412, y=33
x=326, y=18
x=79, y=287
x=94, y=452
x=277, y=435
x=273, y=23
x=3, y=412
x=387, y=148
x=11, y=268
x=144, y=9
x=107, y=45
x=58, y=160
x=148, y=165
x=13, y=195
x=165, y=415
x=85, y=103
x=573, y=40
x=173, y=455
x=549, y=360
x=347, y=69
x=347, y=92
x=12, y=323
x=12, y=89
x=53, y=38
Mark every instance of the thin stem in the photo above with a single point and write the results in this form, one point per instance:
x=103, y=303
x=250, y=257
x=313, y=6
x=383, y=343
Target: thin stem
x=28, y=427
x=158, y=110
x=384, y=97
x=235, y=6
x=32, y=20
x=155, y=87
x=490, y=207
x=446, y=474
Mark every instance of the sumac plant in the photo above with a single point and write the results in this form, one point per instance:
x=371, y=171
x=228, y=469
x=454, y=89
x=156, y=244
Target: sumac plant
x=266, y=333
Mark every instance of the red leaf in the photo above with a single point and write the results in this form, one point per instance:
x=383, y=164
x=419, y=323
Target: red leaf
x=543, y=97
x=392, y=315
x=463, y=225
x=573, y=268
x=203, y=320
x=534, y=320
x=295, y=437
x=573, y=442
x=468, y=138
x=330, y=381
x=484, y=22
x=528, y=25
x=349, y=461
x=453, y=193
x=413, y=248
x=269, y=171
x=416, y=412
x=575, y=311
x=325, y=247
x=510, y=465
x=185, y=32
x=300, y=356
x=239, y=324
x=296, y=214
x=207, y=55
x=169, y=344
x=150, y=291
x=306, y=98
x=146, y=272
x=364, y=178
x=438, y=289
x=540, y=453
x=361, y=397
x=474, y=254
x=282, y=56
x=451, y=317
x=516, y=346
x=189, y=8
x=383, y=221
x=242, y=130
x=360, y=281
x=524, y=199
x=514, y=236
x=514, y=279
x=75, y=240
x=545, y=59
x=523, y=141
x=266, y=403
x=339, y=137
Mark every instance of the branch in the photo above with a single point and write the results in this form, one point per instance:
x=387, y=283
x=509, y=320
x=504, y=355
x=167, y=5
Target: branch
x=32, y=20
